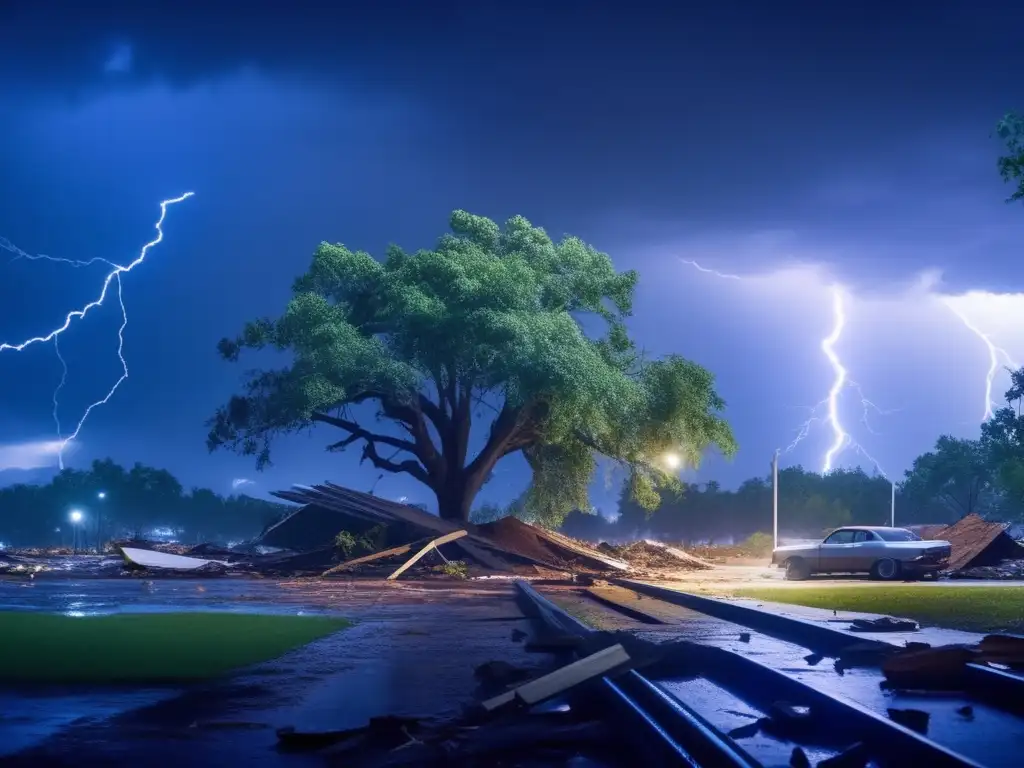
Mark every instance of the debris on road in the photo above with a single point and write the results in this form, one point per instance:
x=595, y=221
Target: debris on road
x=884, y=624
x=945, y=667
x=914, y=719
x=500, y=731
x=562, y=679
x=1009, y=570
x=148, y=558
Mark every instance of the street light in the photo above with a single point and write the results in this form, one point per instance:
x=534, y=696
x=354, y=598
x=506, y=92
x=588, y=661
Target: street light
x=101, y=495
x=75, y=517
x=672, y=460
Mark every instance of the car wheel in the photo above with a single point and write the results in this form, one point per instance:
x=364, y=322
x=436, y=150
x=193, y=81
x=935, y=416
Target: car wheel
x=886, y=569
x=796, y=569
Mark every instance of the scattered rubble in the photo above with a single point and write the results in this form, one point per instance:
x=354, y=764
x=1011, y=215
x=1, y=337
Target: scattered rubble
x=920, y=666
x=884, y=624
x=496, y=731
x=1005, y=569
x=646, y=555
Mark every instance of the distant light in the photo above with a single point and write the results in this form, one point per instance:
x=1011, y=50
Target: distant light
x=75, y=516
x=672, y=460
x=101, y=495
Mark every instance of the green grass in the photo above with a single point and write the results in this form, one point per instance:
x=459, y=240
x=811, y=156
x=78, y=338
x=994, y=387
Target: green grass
x=976, y=609
x=147, y=648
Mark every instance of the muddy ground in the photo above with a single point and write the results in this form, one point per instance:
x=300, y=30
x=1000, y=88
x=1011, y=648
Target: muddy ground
x=412, y=652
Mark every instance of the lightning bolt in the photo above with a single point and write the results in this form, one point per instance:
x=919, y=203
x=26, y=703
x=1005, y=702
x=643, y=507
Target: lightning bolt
x=841, y=439
x=114, y=276
x=994, y=353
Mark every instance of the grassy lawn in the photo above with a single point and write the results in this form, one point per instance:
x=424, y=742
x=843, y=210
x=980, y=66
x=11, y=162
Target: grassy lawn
x=976, y=609
x=147, y=648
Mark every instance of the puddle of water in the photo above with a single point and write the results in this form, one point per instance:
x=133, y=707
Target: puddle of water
x=28, y=718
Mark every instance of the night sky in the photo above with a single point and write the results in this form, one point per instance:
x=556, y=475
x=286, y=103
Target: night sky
x=795, y=145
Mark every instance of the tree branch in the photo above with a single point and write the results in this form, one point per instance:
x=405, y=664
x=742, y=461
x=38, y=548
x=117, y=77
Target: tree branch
x=358, y=433
x=413, y=468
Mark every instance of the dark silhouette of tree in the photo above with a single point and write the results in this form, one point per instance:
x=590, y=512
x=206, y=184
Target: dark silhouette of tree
x=116, y=503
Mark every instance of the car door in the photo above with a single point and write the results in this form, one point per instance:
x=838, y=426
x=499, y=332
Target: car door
x=864, y=551
x=835, y=553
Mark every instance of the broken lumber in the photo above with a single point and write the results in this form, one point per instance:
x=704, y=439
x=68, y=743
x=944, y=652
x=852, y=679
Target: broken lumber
x=371, y=557
x=432, y=544
x=562, y=679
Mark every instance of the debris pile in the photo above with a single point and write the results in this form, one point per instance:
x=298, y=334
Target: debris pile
x=650, y=557
x=920, y=666
x=976, y=542
x=1005, y=569
x=507, y=546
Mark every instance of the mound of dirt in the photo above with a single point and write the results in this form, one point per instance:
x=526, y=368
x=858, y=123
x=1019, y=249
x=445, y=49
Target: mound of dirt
x=546, y=547
x=651, y=555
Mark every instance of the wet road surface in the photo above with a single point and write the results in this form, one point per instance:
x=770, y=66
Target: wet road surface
x=400, y=658
x=990, y=736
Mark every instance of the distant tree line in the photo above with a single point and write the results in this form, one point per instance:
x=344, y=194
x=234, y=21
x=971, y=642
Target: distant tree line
x=115, y=502
x=958, y=477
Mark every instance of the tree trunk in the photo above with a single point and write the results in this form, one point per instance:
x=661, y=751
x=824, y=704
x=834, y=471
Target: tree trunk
x=455, y=499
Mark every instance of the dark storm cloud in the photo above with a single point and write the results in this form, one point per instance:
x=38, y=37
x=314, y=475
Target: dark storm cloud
x=645, y=108
x=754, y=134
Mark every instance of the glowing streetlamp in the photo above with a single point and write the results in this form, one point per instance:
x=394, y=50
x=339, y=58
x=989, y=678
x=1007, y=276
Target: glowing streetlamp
x=101, y=495
x=75, y=517
x=672, y=460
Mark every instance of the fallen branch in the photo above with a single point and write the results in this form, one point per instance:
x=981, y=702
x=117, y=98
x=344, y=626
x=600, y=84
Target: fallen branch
x=370, y=558
x=430, y=545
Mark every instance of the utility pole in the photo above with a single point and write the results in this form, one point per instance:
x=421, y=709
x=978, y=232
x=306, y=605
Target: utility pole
x=775, y=499
x=892, y=507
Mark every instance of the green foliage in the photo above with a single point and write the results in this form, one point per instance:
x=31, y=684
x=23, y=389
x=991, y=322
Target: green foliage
x=1011, y=165
x=372, y=540
x=345, y=543
x=134, y=502
x=488, y=323
x=758, y=544
x=456, y=569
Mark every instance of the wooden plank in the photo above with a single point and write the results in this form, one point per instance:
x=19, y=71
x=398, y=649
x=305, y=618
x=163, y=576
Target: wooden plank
x=571, y=675
x=370, y=558
x=563, y=678
x=433, y=544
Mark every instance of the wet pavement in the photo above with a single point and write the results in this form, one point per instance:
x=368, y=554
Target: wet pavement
x=400, y=658
x=990, y=736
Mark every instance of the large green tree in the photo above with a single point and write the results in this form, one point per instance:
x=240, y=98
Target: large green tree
x=502, y=326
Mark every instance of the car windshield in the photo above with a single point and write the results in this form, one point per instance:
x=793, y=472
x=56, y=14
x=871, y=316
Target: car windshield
x=898, y=534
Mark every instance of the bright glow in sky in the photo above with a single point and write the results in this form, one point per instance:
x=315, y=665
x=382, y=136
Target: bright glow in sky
x=919, y=316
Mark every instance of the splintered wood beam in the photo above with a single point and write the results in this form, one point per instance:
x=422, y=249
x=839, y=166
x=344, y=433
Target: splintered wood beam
x=370, y=558
x=563, y=678
x=430, y=545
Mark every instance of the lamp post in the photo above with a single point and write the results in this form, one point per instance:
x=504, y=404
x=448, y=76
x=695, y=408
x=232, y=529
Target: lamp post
x=75, y=517
x=892, y=507
x=775, y=499
x=99, y=524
